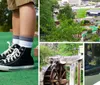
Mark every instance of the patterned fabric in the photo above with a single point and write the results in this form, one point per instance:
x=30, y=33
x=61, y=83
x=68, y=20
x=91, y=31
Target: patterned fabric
x=14, y=4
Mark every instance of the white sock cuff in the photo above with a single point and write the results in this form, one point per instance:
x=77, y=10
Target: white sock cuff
x=15, y=41
x=26, y=44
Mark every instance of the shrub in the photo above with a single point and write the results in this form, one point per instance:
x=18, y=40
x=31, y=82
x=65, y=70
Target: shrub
x=44, y=53
x=65, y=32
x=85, y=22
x=66, y=13
x=89, y=31
x=95, y=37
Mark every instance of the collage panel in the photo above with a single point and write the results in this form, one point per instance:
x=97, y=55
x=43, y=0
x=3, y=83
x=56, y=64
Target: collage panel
x=70, y=21
x=61, y=64
x=92, y=64
x=49, y=42
x=19, y=42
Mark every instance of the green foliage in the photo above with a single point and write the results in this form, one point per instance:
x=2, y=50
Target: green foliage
x=85, y=22
x=65, y=32
x=68, y=49
x=95, y=37
x=46, y=19
x=36, y=3
x=5, y=17
x=67, y=29
x=4, y=28
x=61, y=49
x=55, y=4
x=45, y=52
x=89, y=31
x=66, y=13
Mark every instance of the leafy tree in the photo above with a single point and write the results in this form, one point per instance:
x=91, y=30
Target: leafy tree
x=44, y=53
x=46, y=13
x=66, y=13
x=68, y=49
x=5, y=16
x=67, y=28
x=65, y=32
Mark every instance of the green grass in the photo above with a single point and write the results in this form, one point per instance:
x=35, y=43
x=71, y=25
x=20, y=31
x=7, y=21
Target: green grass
x=22, y=77
x=81, y=13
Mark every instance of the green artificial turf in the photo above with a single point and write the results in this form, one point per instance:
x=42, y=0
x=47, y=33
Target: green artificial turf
x=22, y=77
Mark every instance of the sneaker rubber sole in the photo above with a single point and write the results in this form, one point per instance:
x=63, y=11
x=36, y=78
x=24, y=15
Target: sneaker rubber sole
x=11, y=68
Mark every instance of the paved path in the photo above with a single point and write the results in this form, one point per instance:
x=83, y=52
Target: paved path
x=90, y=80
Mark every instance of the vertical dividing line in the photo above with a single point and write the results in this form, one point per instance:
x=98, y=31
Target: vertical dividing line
x=84, y=64
x=39, y=42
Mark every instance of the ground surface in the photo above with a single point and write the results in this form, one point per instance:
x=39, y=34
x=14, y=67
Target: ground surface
x=23, y=77
x=92, y=79
x=81, y=13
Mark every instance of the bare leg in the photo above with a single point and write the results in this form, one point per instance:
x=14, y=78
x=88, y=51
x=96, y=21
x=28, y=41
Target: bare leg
x=16, y=22
x=27, y=20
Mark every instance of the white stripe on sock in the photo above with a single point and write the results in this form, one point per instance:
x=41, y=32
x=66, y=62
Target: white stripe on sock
x=15, y=41
x=25, y=43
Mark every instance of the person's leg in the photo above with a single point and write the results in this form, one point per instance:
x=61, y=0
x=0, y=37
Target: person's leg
x=16, y=34
x=27, y=20
x=16, y=26
x=27, y=24
x=15, y=20
x=21, y=57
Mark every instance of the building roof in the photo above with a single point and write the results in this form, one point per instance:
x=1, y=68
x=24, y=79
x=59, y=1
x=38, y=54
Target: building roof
x=96, y=11
x=66, y=59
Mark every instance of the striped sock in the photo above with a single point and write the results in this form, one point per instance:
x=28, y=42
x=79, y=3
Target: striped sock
x=26, y=41
x=15, y=39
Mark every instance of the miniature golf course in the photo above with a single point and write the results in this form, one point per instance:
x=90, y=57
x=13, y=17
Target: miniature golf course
x=22, y=77
x=94, y=30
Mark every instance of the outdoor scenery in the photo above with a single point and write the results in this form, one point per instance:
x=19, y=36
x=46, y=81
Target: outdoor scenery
x=61, y=64
x=70, y=20
x=92, y=64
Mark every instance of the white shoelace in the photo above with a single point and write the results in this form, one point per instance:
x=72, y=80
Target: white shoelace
x=8, y=50
x=11, y=57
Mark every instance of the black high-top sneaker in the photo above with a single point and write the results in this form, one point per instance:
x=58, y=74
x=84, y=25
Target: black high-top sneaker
x=20, y=59
x=8, y=51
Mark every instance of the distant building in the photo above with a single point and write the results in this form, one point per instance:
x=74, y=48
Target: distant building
x=75, y=2
x=71, y=2
x=93, y=13
x=85, y=1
